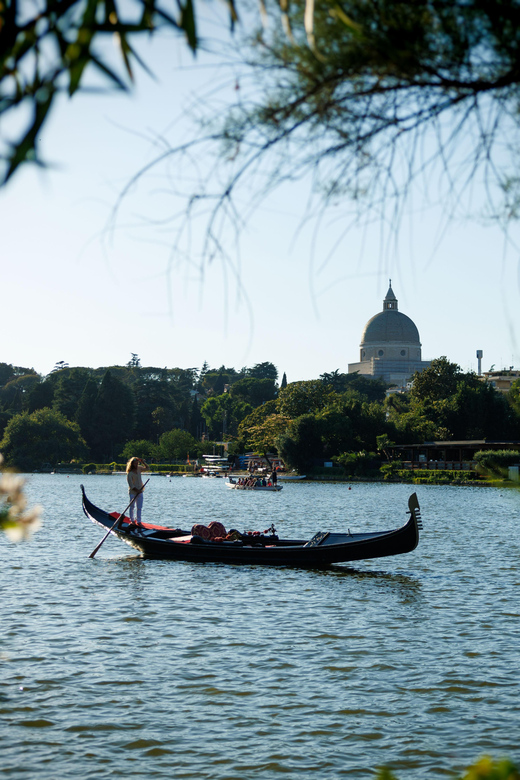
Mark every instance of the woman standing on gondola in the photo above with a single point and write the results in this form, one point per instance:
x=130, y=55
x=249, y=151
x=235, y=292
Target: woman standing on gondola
x=134, y=469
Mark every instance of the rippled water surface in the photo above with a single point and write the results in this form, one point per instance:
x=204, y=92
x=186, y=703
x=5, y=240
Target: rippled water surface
x=126, y=667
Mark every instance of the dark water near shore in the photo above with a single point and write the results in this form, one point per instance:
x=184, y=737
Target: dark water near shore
x=125, y=667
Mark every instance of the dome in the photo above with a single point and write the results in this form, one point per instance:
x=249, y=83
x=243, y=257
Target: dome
x=390, y=346
x=390, y=326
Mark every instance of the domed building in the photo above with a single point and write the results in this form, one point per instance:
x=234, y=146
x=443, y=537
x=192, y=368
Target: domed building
x=390, y=347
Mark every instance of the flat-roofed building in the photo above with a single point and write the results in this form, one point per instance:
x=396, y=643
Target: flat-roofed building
x=501, y=380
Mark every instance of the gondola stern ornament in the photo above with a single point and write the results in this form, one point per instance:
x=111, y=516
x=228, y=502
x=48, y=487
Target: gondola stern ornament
x=415, y=510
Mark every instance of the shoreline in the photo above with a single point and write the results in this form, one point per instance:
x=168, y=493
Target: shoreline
x=480, y=482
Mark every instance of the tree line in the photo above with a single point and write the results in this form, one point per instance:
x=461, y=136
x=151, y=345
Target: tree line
x=80, y=413
x=164, y=414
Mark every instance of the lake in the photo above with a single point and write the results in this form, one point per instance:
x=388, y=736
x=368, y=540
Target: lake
x=119, y=666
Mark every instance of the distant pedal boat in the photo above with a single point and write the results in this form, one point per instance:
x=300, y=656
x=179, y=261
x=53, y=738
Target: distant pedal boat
x=323, y=549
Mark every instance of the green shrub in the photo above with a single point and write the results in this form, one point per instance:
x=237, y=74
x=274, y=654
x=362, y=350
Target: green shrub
x=496, y=462
x=89, y=468
x=140, y=448
x=483, y=769
x=356, y=463
x=391, y=470
x=442, y=476
x=487, y=769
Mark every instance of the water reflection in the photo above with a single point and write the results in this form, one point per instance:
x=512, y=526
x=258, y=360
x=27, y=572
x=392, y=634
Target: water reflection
x=131, y=572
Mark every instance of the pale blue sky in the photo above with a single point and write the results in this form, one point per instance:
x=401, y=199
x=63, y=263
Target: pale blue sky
x=77, y=291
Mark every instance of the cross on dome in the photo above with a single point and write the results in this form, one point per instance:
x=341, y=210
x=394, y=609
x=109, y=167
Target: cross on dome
x=390, y=301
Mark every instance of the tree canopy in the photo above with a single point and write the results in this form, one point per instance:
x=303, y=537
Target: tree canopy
x=178, y=444
x=44, y=437
x=254, y=391
x=104, y=414
x=370, y=101
x=365, y=95
x=446, y=403
x=362, y=94
x=436, y=382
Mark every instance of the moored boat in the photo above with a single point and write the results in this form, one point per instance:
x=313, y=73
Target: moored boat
x=265, y=548
x=214, y=467
x=252, y=483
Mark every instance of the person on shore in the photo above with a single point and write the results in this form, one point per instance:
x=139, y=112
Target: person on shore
x=134, y=470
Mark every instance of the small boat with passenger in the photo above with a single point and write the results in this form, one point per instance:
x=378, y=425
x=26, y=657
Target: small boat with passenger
x=212, y=543
x=253, y=483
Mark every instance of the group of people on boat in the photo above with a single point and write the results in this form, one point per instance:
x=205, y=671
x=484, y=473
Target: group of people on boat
x=253, y=481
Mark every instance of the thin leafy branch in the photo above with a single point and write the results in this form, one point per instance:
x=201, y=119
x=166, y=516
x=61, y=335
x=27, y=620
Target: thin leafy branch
x=47, y=48
x=370, y=102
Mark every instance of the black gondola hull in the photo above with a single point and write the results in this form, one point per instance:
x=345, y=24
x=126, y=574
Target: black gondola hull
x=162, y=542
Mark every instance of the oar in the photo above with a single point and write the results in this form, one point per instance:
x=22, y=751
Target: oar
x=118, y=519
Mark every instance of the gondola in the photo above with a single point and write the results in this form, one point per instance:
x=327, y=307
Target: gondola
x=264, y=548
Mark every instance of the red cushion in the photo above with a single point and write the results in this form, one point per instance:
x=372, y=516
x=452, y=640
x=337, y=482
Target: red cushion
x=201, y=530
x=217, y=529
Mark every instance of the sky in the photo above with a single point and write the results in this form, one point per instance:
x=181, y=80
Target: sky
x=88, y=287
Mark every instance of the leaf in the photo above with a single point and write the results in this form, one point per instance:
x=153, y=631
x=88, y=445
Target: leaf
x=286, y=24
x=233, y=14
x=77, y=54
x=108, y=72
x=27, y=146
x=338, y=13
x=308, y=21
x=187, y=23
x=148, y=14
x=131, y=51
x=126, y=51
x=76, y=69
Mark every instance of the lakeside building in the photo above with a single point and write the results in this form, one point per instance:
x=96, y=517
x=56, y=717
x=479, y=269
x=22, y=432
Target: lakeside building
x=454, y=455
x=501, y=380
x=390, y=346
